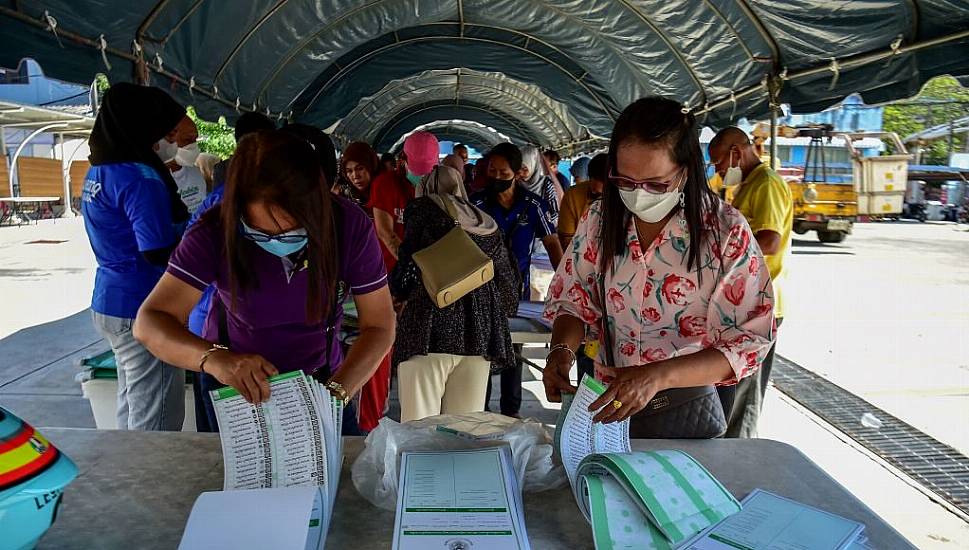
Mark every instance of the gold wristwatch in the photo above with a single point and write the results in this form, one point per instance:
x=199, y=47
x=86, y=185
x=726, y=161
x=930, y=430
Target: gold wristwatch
x=338, y=391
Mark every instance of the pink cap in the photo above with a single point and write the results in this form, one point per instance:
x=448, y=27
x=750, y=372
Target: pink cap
x=422, y=153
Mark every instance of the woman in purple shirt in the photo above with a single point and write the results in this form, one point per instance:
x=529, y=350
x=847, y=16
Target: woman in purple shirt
x=283, y=254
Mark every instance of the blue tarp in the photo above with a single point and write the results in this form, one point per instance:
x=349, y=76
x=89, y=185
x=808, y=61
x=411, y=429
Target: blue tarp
x=318, y=61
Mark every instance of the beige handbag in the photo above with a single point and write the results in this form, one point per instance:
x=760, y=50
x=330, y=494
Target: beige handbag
x=454, y=265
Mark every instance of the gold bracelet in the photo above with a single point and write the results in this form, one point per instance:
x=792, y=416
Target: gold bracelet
x=338, y=389
x=208, y=352
x=557, y=347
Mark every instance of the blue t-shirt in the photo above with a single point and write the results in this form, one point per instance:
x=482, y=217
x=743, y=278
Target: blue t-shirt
x=196, y=319
x=126, y=212
x=528, y=219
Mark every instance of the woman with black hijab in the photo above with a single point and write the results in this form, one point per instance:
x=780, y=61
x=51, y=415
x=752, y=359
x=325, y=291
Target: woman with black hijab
x=133, y=216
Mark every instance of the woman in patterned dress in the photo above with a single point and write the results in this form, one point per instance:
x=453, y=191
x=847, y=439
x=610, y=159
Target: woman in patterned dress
x=688, y=298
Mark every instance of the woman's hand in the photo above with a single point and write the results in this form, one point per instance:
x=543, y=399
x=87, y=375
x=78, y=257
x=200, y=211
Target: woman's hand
x=632, y=387
x=556, y=375
x=245, y=372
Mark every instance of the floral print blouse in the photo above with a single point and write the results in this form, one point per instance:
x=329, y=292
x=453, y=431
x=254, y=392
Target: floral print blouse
x=657, y=307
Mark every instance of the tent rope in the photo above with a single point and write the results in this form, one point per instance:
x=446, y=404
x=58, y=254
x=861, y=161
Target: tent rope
x=103, y=46
x=52, y=26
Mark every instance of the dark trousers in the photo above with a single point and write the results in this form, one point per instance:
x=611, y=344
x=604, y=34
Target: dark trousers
x=511, y=387
x=743, y=401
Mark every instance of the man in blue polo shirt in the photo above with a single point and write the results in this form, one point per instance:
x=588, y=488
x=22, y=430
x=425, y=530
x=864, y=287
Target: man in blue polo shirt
x=132, y=214
x=523, y=217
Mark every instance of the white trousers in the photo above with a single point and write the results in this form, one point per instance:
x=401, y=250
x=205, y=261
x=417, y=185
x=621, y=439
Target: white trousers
x=441, y=383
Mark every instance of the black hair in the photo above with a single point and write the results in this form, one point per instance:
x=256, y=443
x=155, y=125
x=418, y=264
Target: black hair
x=282, y=169
x=459, y=146
x=663, y=122
x=599, y=167
x=322, y=145
x=388, y=157
x=248, y=123
x=552, y=156
x=510, y=152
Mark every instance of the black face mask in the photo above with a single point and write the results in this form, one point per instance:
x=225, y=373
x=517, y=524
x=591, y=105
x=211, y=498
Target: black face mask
x=500, y=186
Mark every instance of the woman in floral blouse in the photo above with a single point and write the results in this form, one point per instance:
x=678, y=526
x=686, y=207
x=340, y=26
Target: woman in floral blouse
x=688, y=297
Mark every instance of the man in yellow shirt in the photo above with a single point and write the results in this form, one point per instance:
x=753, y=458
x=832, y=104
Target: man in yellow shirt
x=578, y=198
x=574, y=204
x=765, y=200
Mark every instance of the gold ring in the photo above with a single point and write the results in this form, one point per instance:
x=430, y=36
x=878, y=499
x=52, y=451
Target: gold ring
x=617, y=404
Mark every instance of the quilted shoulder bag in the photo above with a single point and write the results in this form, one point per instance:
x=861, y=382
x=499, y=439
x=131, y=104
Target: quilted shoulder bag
x=676, y=413
x=454, y=265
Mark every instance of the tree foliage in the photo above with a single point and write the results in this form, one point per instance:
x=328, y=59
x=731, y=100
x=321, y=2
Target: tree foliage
x=217, y=137
x=941, y=101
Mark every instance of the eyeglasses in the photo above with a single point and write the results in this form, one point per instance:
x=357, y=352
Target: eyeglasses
x=290, y=237
x=629, y=184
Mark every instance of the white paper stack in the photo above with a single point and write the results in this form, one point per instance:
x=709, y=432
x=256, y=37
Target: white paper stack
x=291, y=440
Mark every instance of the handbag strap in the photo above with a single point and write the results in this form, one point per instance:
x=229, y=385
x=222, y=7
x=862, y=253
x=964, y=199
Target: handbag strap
x=447, y=206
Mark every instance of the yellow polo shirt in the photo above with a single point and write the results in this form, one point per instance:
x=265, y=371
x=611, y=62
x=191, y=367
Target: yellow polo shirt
x=765, y=200
x=574, y=204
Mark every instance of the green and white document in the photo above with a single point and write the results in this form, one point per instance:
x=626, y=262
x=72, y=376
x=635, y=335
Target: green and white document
x=579, y=437
x=634, y=500
x=770, y=522
x=649, y=499
x=460, y=499
x=291, y=440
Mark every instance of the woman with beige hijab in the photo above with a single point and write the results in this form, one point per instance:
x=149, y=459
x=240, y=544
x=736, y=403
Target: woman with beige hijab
x=444, y=356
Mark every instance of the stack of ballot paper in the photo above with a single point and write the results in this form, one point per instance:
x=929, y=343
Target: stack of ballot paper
x=459, y=500
x=634, y=500
x=769, y=521
x=291, y=440
x=653, y=499
x=666, y=499
x=577, y=436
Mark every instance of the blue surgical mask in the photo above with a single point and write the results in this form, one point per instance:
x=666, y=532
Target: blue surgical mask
x=281, y=245
x=413, y=179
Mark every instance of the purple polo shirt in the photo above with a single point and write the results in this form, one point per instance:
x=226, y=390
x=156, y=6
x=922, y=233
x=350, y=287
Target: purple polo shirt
x=270, y=320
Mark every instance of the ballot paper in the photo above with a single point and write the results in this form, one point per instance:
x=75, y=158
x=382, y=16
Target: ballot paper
x=770, y=522
x=283, y=519
x=580, y=436
x=649, y=499
x=291, y=440
x=459, y=500
x=634, y=500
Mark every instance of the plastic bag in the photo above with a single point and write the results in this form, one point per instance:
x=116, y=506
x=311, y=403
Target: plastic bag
x=375, y=471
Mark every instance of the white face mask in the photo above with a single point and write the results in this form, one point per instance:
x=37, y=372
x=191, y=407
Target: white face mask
x=166, y=150
x=186, y=156
x=734, y=175
x=649, y=207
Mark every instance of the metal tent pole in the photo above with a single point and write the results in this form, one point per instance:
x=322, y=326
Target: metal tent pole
x=16, y=155
x=773, y=138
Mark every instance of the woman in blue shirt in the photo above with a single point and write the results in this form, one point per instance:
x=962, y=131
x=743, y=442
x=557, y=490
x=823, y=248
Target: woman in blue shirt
x=133, y=215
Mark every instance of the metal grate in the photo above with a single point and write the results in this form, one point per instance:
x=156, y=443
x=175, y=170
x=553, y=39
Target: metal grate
x=935, y=465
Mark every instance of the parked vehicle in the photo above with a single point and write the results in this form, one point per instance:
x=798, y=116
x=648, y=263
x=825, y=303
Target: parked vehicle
x=828, y=208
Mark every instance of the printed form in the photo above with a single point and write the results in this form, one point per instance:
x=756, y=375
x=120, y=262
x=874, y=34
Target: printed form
x=459, y=499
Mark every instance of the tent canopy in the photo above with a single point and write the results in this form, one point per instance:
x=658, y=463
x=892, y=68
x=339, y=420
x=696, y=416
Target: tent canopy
x=561, y=70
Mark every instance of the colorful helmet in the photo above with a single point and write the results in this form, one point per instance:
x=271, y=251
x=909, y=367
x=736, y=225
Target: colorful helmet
x=33, y=475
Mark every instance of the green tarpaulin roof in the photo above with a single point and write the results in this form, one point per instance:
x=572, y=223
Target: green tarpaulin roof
x=550, y=72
